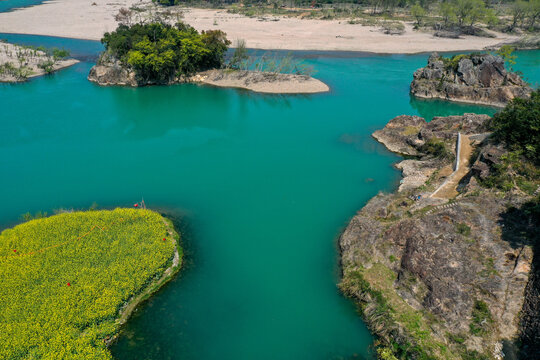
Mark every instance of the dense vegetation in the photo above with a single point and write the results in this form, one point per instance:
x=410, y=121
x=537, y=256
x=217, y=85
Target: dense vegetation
x=63, y=279
x=159, y=52
x=518, y=126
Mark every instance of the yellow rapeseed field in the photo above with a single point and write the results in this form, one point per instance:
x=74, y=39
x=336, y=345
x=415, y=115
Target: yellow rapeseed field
x=63, y=279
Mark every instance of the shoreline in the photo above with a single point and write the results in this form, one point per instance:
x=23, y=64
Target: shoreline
x=19, y=63
x=127, y=310
x=315, y=53
x=256, y=81
x=261, y=82
x=82, y=20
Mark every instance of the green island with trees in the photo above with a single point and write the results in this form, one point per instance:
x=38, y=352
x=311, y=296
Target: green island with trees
x=159, y=52
x=70, y=280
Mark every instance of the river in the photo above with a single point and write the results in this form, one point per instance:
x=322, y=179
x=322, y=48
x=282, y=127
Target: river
x=260, y=185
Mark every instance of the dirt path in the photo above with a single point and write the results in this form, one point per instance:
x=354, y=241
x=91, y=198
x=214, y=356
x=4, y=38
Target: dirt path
x=448, y=189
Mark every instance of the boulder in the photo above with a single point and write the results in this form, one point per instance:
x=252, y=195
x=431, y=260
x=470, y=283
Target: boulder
x=477, y=78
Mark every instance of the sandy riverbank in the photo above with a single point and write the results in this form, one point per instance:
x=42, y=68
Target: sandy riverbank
x=25, y=63
x=89, y=19
x=269, y=83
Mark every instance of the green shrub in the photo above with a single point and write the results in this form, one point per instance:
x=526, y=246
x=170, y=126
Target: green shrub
x=481, y=318
x=518, y=126
x=463, y=229
x=436, y=148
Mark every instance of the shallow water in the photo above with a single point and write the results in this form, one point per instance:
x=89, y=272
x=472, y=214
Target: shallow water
x=10, y=5
x=262, y=186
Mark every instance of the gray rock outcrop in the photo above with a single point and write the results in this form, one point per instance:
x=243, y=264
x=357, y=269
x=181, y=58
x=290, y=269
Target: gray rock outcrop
x=438, y=262
x=476, y=78
x=112, y=74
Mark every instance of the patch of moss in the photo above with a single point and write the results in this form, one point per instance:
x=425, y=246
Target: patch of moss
x=463, y=229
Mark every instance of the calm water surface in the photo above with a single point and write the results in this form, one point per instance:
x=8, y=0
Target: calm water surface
x=10, y=5
x=262, y=186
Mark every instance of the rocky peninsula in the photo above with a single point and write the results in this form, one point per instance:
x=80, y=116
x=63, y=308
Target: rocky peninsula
x=451, y=275
x=154, y=53
x=18, y=63
x=476, y=78
x=112, y=72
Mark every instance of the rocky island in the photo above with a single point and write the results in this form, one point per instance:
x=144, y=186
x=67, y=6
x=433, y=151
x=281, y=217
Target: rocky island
x=447, y=266
x=475, y=78
x=18, y=63
x=160, y=54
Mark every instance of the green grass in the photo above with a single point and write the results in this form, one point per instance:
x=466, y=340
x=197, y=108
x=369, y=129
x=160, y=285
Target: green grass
x=463, y=229
x=384, y=310
x=481, y=318
x=64, y=279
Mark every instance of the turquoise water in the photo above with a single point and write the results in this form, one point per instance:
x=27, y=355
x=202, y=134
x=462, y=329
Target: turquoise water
x=9, y=5
x=260, y=185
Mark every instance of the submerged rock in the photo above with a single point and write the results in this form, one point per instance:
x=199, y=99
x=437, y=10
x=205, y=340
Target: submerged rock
x=475, y=78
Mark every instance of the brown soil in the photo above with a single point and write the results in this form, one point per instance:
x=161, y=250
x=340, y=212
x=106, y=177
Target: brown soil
x=448, y=190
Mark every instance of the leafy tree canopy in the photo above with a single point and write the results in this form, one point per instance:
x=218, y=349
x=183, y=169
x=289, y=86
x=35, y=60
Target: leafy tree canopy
x=159, y=52
x=518, y=126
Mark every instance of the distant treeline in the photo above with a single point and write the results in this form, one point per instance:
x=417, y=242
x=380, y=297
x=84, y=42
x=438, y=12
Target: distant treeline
x=503, y=15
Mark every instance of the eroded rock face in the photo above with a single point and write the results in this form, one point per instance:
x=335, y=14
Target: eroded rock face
x=530, y=320
x=406, y=134
x=490, y=156
x=112, y=75
x=480, y=79
x=447, y=258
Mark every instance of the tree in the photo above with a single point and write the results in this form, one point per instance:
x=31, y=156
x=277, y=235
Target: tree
x=518, y=12
x=448, y=13
x=240, y=55
x=468, y=12
x=518, y=126
x=124, y=16
x=533, y=11
x=418, y=13
x=507, y=53
x=158, y=52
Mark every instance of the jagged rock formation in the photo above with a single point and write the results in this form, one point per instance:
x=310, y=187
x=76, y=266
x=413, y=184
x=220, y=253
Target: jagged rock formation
x=476, y=78
x=445, y=280
x=111, y=72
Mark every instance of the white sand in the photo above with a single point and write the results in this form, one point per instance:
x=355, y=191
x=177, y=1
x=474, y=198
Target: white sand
x=80, y=19
x=30, y=59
